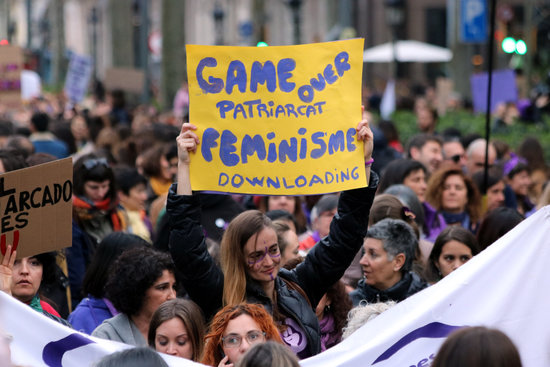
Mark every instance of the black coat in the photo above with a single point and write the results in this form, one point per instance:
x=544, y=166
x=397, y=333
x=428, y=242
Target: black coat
x=323, y=266
x=409, y=284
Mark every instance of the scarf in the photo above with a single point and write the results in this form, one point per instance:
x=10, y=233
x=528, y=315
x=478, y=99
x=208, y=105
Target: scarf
x=462, y=218
x=329, y=335
x=35, y=304
x=159, y=187
x=87, y=210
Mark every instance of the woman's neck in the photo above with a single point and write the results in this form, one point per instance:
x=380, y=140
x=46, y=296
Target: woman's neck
x=453, y=211
x=142, y=323
x=269, y=289
x=393, y=281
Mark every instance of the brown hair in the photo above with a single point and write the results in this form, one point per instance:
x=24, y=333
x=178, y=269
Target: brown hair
x=212, y=350
x=477, y=347
x=299, y=215
x=451, y=233
x=389, y=206
x=191, y=316
x=233, y=264
x=435, y=191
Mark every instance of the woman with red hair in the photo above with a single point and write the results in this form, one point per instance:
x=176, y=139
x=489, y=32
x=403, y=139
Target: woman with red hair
x=234, y=329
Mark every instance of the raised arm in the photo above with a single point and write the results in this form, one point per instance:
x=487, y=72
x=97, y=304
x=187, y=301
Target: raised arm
x=364, y=134
x=330, y=257
x=202, y=278
x=187, y=142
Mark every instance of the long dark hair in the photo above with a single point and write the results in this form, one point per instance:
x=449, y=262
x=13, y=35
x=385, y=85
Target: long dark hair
x=456, y=233
x=108, y=250
x=340, y=305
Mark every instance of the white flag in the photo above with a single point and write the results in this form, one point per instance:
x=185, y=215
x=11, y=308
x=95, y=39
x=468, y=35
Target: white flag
x=505, y=287
x=387, y=105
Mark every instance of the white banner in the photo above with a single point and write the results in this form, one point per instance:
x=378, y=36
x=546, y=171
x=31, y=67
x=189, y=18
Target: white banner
x=40, y=341
x=503, y=287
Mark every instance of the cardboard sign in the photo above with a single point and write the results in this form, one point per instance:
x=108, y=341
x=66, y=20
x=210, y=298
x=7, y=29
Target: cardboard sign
x=444, y=88
x=126, y=79
x=36, y=208
x=277, y=120
x=78, y=77
x=11, y=64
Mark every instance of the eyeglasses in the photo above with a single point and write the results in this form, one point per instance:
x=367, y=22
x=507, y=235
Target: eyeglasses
x=94, y=162
x=235, y=340
x=456, y=158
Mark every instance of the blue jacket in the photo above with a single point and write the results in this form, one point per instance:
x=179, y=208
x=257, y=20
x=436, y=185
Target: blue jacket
x=57, y=148
x=89, y=314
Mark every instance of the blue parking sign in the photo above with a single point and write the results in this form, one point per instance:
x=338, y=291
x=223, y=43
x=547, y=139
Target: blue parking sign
x=473, y=21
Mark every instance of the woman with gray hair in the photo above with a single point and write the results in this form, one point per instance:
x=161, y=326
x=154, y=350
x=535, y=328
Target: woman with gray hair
x=388, y=253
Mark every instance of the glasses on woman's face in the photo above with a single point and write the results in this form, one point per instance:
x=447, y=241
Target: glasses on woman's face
x=235, y=340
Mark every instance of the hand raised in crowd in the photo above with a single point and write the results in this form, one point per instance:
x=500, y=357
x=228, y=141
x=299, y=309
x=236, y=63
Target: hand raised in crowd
x=187, y=142
x=6, y=270
x=364, y=134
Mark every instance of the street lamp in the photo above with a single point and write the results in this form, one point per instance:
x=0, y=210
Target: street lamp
x=295, y=6
x=218, y=15
x=395, y=18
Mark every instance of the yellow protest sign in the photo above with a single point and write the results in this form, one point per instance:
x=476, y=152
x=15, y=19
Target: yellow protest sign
x=277, y=120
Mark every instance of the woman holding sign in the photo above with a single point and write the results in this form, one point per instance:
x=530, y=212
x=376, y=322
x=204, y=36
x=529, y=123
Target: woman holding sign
x=250, y=257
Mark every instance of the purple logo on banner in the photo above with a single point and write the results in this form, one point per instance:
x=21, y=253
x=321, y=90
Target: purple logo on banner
x=53, y=352
x=432, y=330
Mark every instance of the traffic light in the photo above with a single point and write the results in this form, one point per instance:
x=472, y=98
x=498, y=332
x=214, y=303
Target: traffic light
x=510, y=45
x=521, y=47
x=261, y=44
x=4, y=42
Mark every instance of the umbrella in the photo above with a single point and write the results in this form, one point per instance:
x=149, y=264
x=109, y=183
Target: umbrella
x=407, y=51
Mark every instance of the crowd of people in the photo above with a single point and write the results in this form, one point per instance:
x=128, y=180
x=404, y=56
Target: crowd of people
x=244, y=280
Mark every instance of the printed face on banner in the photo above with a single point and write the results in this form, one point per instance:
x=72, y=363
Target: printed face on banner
x=277, y=120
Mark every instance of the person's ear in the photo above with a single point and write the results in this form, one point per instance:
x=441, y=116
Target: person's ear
x=398, y=261
x=414, y=152
x=314, y=223
x=121, y=195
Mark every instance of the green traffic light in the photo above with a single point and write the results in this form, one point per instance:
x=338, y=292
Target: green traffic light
x=261, y=44
x=521, y=47
x=509, y=45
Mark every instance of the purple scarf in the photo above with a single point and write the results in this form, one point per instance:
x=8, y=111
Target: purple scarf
x=329, y=335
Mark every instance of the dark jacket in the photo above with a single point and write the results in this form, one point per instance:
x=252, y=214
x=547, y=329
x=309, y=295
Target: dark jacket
x=409, y=284
x=322, y=267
